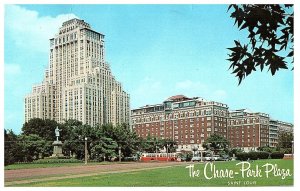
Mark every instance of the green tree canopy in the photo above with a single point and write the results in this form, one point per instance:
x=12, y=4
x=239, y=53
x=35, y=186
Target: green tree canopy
x=170, y=144
x=76, y=139
x=285, y=140
x=44, y=128
x=125, y=138
x=270, y=43
x=32, y=146
x=103, y=146
x=11, y=147
x=152, y=144
x=216, y=142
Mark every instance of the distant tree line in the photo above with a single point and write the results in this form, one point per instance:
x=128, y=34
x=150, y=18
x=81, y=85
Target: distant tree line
x=104, y=141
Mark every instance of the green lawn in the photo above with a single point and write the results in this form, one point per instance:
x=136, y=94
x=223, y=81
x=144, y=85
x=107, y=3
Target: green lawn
x=49, y=165
x=179, y=176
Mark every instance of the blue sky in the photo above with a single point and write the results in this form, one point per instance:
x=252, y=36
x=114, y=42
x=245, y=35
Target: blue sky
x=156, y=51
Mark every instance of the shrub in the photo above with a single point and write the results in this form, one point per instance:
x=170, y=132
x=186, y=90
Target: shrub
x=242, y=156
x=186, y=155
x=277, y=155
x=235, y=151
x=56, y=160
x=129, y=159
x=263, y=155
x=252, y=155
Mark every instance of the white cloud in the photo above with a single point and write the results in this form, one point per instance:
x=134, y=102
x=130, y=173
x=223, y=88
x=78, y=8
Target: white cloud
x=30, y=30
x=12, y=69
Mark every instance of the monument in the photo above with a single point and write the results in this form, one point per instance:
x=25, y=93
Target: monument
x=57, y=145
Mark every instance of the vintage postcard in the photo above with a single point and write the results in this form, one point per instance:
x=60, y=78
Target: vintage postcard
x=149, y=95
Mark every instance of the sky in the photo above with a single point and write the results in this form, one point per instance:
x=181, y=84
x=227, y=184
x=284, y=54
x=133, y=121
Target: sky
x=155, y=51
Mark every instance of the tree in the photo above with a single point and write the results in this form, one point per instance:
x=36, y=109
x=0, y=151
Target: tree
x=235, y=151
x=67, y=127
x=11, y=147
x=185, y=155
x=152, y=144
x=32, y=146
x=42, y=127
x=285, y=140
x=126, y=139
x=170, y=145
x=216, y=143
x=266, y=149
x=103, y=147
x=123, y=136
x=76, y=140
x=270, y=32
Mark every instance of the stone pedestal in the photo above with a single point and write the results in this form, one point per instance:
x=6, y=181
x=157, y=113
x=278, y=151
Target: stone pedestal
x=57, y=149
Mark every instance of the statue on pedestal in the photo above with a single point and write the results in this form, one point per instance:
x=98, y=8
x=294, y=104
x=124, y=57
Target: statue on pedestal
x=57, y=133
x=57, y=145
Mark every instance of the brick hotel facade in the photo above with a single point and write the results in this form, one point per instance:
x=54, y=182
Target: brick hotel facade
x=190, y=121
x=78, y=83
x=248, y=130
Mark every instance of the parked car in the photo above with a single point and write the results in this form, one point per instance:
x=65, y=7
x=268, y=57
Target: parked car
x=216, y=157
x=196, y=159
x=225, y=158
x=213, y=158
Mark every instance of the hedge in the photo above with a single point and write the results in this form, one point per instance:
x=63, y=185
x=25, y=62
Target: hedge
x=55, y=160
x=129, y=159
x=252, y=155
x=277, y=155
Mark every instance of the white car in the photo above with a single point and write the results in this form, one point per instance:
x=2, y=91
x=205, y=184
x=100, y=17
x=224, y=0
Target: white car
x=214, y=158
x=196, y=159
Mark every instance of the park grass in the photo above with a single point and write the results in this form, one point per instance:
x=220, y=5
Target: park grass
x=32, y=165
x=50, y=165
x=175, y=176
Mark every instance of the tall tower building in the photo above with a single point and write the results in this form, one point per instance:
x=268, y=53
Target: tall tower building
x=78, y=83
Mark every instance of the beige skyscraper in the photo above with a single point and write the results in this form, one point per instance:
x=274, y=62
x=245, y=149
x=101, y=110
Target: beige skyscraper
x=78, y=83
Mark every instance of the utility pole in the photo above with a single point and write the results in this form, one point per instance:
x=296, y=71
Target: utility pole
x=201, y=152
x=119, y=153
x=156, y=152
x=293, y=149
x=167, y=152
x=85, y=151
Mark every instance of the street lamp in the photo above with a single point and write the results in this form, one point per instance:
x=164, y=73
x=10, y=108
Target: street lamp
x=119, y=153
x=156, y=152
x=293, y=149
x=201, y=155
x=211, y=152
x=85, y=151
x=168, y=145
